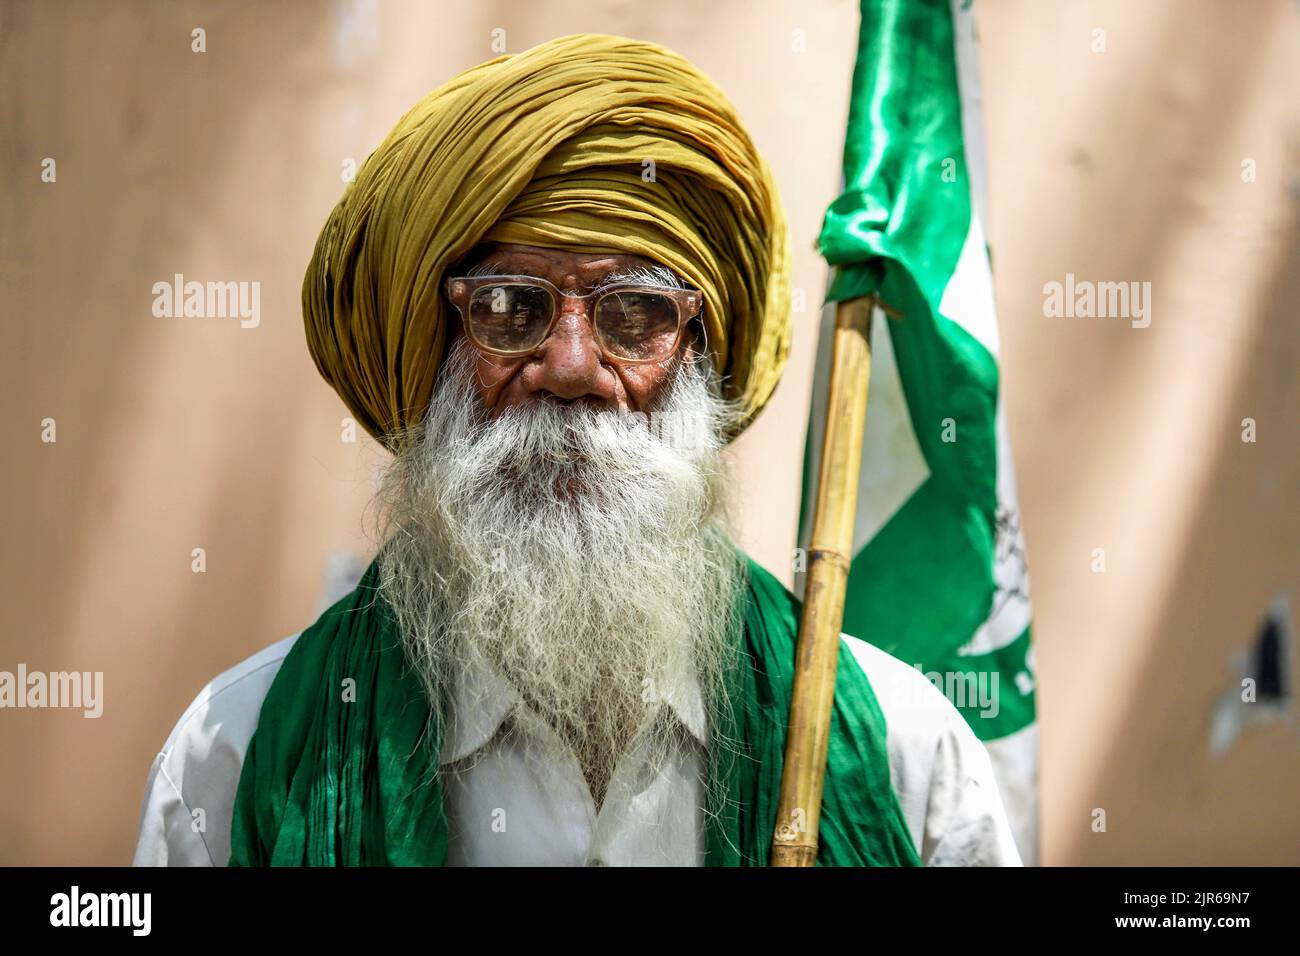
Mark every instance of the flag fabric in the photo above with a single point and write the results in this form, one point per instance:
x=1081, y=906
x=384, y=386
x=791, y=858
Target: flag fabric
x=938, y=576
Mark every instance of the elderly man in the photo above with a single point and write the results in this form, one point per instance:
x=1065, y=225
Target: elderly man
x=555, y=292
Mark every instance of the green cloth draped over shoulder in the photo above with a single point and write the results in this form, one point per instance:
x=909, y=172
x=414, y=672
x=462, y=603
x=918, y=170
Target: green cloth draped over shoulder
x=329, y=781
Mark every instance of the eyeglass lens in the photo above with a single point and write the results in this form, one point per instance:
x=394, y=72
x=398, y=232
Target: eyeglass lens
x=635, y=325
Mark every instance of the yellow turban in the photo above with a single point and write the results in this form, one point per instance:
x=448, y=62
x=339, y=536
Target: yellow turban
x=591, y=143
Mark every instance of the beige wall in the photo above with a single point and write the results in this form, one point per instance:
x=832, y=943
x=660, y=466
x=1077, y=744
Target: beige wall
x=181, y=434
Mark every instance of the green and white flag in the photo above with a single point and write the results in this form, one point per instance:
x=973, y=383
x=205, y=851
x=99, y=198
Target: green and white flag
x=938, y=577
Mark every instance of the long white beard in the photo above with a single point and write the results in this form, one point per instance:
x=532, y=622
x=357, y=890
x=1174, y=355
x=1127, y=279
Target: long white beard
x=584, y=553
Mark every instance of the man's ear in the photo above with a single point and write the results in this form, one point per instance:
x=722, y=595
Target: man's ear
x=455, y=327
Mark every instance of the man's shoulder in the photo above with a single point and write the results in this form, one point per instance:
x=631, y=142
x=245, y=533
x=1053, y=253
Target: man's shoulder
x=920, y=720
x=190, y=792
x=911, y=705
x=939, y=769
x=227, y=699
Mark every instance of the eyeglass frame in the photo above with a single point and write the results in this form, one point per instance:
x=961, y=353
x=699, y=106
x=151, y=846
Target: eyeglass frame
x=460, y=290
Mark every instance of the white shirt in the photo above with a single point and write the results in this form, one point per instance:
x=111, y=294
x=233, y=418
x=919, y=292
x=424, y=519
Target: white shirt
x=511, y=801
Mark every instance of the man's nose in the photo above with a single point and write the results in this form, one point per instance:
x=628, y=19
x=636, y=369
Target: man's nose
x=569, y=365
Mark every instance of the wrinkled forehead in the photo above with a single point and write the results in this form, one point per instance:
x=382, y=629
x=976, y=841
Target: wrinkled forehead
x=566, y=268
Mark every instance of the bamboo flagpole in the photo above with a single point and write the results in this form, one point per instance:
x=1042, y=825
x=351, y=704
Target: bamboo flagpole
x=794, y=842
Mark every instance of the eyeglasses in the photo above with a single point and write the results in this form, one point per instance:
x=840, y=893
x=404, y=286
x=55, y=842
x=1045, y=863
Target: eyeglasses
x=513, y=315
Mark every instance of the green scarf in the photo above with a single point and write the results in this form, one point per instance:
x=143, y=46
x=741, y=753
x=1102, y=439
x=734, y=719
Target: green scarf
x=341, y=768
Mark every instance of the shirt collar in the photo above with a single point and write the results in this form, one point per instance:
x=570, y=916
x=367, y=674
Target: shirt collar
x=481, y=699
x=681, y=693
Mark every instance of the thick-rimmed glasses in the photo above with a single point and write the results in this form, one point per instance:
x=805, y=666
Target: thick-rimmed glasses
x=513, y=315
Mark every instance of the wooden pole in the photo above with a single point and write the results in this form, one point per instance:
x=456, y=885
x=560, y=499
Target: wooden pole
x=808, y=734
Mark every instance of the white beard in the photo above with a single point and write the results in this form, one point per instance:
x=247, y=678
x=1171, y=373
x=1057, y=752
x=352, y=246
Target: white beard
x=584, y=553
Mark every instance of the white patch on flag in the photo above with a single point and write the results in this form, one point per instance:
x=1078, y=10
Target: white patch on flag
x=968, y=296
x=893, y=466
x=1010, y=613
x=966, y=50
